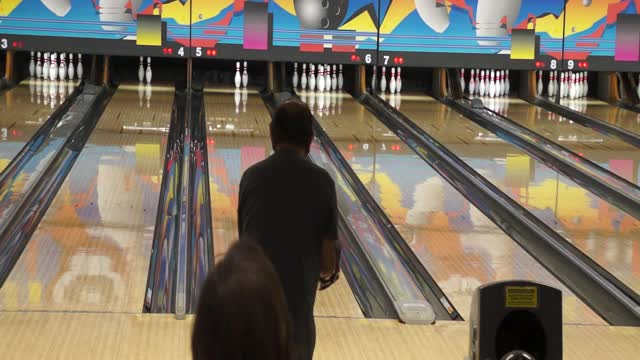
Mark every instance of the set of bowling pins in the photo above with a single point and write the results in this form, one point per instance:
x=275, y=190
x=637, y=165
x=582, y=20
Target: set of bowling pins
x=323, y=103
x=491, y=83
x=395, y=80
x=329, y=77
x=241, y=79
x=569, y=84
x=49, y=68
x=145, y=74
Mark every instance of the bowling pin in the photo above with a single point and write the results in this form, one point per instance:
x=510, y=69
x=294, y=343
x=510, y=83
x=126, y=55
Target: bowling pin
x=39, y=65
x=46, y=67
x=312, y=77
x=540, y=85
x=482, y=86
x=579, y=85
x=374, y=77
x=303, y=78
x=334, y=79
x=71, y=72
x=294, y=80
x=498, y=84
x=572, y=87
x=327, y=77
x=62, y=69
x=492, y=84
x=462, y=83
x=472, y=83
x=561, y=88
x=392, y=81
x=507, y=84
x=80, y=68
x=398, y=82
x=321, y=78
x=245, y=75
x=32, y=66
x=476, y=82
x=53, y=70
x=148, y=73
x=340, y=78
x=586, y=84
x=238, y=78
x=141, y=70
x=383, y=81
x=503, y=84
x=550, y=86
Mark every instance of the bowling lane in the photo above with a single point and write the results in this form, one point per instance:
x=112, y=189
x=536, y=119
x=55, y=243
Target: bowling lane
x=456, y=243
x=238, y=137
x=22, y=111
x=606, y=234
x=608, y=152
x=626, y=119
x=91, y=250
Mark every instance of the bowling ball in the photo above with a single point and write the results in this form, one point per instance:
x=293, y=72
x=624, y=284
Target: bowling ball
x=321, y=14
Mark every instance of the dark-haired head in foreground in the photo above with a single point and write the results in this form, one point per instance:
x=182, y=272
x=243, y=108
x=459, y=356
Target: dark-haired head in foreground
x=292, y=127
x=242, y=312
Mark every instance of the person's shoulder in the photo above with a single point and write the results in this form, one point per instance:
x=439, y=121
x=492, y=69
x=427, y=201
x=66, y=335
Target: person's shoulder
x=256, y=169
x=321, y=175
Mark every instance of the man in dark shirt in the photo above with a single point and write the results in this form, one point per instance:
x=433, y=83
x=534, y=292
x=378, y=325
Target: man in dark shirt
x=288, y=205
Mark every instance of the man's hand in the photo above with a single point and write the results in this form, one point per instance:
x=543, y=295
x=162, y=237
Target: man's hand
x=329, y=263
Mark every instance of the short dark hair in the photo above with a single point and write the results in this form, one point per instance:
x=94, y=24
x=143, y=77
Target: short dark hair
x=242, y=311
x=292, y=124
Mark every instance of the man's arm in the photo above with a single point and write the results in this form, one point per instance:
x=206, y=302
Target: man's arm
x=330, y=255
x=329, y=259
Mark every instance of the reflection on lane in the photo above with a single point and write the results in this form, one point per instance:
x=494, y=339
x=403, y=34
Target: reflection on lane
x=606, y=234
x=20, y=117
x=608, y=152
x=238, y=137
x=91, y=249
x=600, y=110
x=457, y=244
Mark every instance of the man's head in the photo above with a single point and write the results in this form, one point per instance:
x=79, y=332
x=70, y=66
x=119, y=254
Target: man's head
x=292, y=126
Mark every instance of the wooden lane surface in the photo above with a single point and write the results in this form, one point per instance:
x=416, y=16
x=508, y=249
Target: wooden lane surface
x=91, y=250
x=603, y=232
x=52, y=335
x=459, y=246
